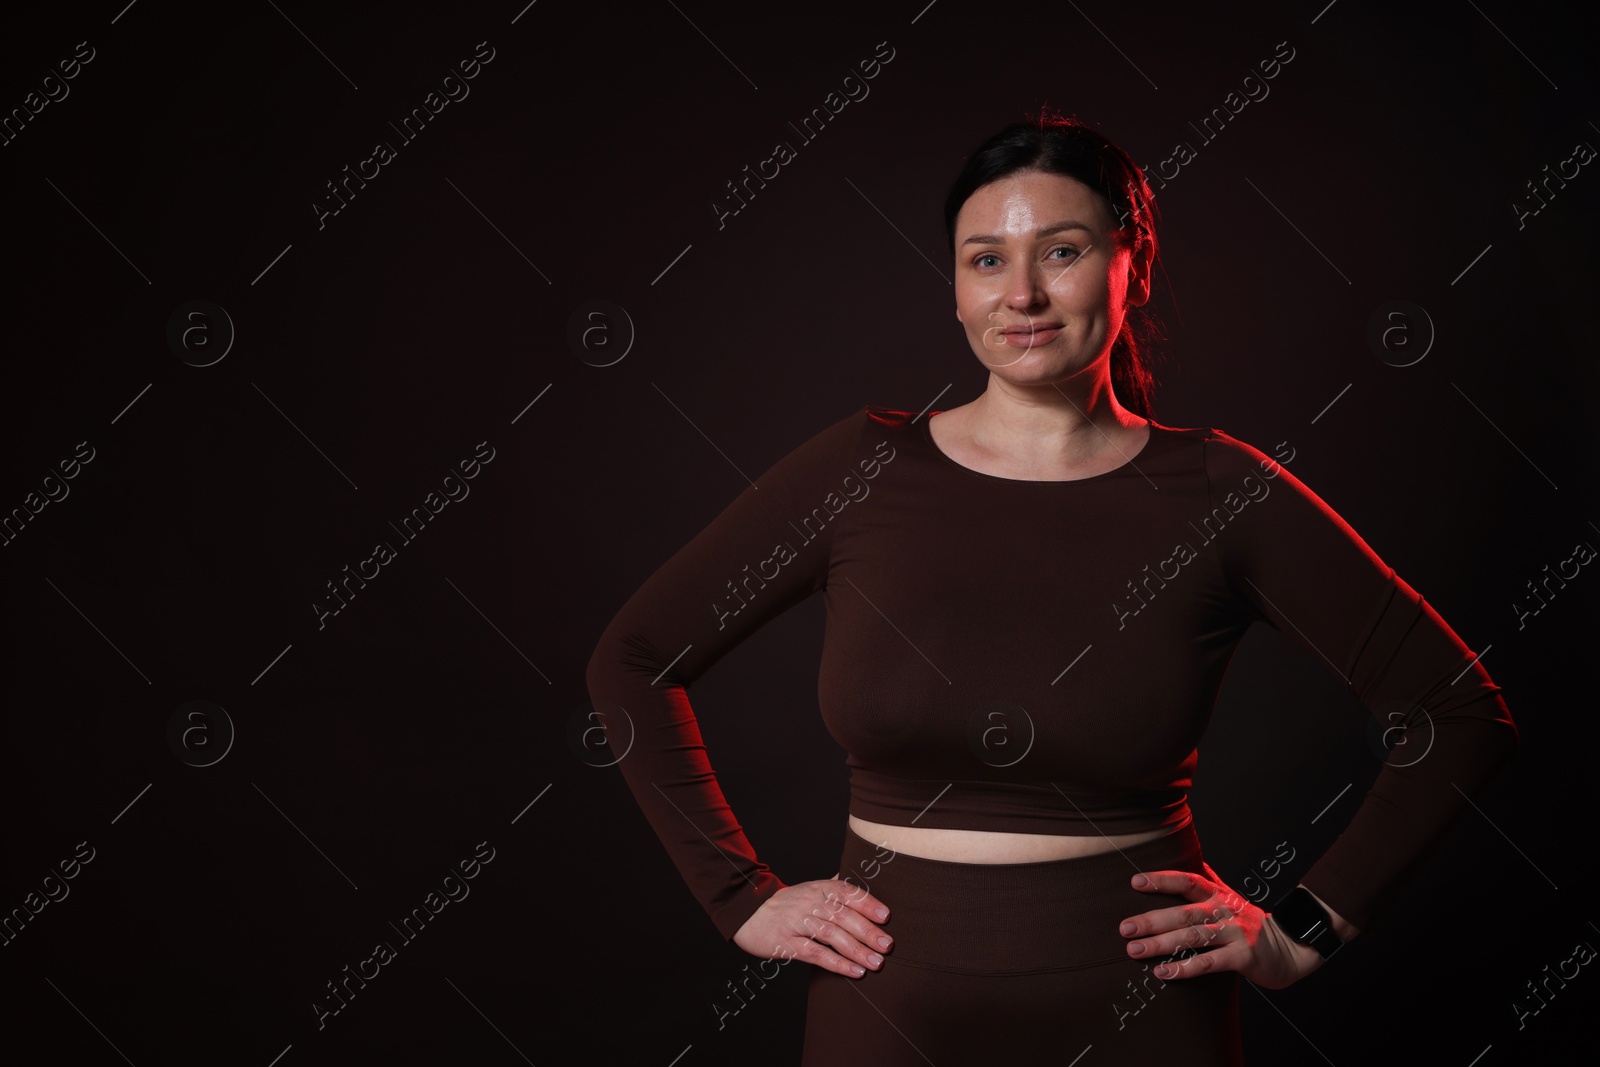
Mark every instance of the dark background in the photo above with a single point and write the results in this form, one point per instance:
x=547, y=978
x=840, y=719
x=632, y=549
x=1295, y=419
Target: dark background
x=375, y=352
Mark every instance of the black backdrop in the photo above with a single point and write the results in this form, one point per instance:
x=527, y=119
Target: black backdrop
x=355, y=358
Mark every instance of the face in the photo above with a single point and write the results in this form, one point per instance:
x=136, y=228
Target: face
x=1041, y=284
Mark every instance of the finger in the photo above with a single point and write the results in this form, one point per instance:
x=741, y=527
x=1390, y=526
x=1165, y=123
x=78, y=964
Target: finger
x=1233, y=900
x=1178, y=883
x=1191, y=966
x=1216, y=879
x=822, y=956
x=1164, y=919
x=838, y=910
x=842, y=941
x=1196, y=937
x=857, y=897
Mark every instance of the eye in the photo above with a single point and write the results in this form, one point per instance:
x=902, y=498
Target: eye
x=978, y=261
x=1072, y=253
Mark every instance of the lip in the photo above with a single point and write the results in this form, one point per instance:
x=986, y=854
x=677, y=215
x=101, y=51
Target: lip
x=1032, y=336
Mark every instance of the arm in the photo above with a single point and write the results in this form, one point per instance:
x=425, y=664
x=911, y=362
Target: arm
x=1293, y=563
x=750, y=564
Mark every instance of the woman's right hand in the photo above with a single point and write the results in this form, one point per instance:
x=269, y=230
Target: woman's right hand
x=826, y=922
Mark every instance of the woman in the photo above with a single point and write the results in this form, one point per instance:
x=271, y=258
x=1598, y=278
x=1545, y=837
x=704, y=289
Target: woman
x=1032, y=599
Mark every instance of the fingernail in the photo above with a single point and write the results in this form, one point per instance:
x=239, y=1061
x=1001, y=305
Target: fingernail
x=884, y=942
x=1140, y=881
x=1136, y=949
x=1162, y=971
x=1129, y=929
x=857, y=970
x=875, y=959
x=882, y=913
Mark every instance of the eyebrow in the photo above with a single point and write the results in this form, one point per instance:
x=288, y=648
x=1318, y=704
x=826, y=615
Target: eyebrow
x=996, y=239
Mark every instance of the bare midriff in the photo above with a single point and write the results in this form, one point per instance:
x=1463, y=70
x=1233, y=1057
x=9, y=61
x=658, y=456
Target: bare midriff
x=990, y=846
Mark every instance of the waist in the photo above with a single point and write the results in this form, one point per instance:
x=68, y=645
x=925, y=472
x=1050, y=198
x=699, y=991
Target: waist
x=995, y=846
x=1015, y=918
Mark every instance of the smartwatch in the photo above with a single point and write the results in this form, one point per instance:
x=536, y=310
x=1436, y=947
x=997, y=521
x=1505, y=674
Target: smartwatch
x=1300, y=916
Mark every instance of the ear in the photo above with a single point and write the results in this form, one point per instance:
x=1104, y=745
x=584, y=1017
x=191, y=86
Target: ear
x=1139, y=274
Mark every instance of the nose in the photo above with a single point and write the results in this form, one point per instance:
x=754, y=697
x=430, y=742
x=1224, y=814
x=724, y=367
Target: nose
x=1026, y=288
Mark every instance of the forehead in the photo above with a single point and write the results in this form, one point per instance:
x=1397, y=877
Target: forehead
x=1020, y=203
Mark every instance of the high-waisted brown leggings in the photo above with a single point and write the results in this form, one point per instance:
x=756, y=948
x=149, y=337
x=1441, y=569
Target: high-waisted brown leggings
x=1018, y=963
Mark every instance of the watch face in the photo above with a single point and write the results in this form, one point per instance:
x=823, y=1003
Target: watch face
x=1300, y=916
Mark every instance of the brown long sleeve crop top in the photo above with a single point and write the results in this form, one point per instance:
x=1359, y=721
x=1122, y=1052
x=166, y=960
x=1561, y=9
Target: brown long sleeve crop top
x=1037, y=656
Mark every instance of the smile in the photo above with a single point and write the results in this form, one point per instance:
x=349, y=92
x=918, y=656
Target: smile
x=1032, y=337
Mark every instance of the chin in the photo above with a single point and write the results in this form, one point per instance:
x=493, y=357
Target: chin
x=1007, y=356
x=1043, y=363
x=1039, y=373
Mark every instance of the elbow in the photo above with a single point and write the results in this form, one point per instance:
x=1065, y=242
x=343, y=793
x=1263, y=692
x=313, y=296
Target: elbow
x=624, y=661
x=1475, y=745
x=1496, y=747
x=606, y=732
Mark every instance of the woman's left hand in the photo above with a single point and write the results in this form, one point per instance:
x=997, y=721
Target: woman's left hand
x=1219, y=930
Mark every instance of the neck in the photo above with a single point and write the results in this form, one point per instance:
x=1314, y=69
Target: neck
x=1072, y=417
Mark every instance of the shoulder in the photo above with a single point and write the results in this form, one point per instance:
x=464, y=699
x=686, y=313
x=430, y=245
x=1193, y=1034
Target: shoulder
x=1240, y=470
x=837, y=446
x=892, y=420
x=1226, y=456
x=839, y=434
x=885, y=428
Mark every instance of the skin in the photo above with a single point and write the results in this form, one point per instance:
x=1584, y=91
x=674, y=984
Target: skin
x=1041, y=306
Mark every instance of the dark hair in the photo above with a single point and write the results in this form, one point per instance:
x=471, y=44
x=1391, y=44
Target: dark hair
x=1063, y=145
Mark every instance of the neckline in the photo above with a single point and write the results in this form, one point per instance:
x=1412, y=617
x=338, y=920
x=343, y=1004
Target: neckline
x=926, y=434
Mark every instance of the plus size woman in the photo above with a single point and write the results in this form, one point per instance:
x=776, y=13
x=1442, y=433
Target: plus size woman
x=1032, y=598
